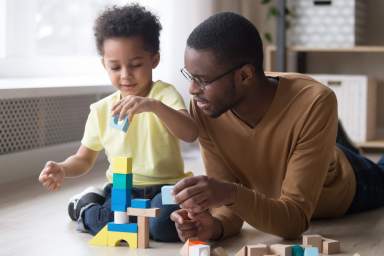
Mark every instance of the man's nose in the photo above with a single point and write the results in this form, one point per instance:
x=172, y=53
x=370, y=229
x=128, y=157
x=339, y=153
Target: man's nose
x=194, y=88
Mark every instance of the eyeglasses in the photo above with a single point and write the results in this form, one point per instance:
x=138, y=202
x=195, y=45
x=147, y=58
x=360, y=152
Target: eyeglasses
x=204, y=83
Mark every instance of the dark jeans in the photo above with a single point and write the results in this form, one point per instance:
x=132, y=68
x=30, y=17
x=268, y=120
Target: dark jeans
x=161, y=228
x=369, y=181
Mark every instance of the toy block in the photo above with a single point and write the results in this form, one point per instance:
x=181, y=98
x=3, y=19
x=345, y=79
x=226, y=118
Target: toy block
x=119, y=207
x=185, y=249
x=141, y=203
x=199, y=250
x=166, y=195
x=121, y=164
x=130, y=227
x=219, y=251
x=242, y=251
x=120, y=124
x=311, y=251
x=313, y=240
x=257, y=250
x=281, y=249
x=149, y=212
x=331, y=246
x=120, y=217
x=121, y=196
x=122, y=181
x=101, y=238
x=114, y=238
x=297, y=250
x=143, y=236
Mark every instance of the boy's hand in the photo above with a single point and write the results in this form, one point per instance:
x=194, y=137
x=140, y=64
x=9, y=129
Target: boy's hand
x=202, y=226
x=131, y=105
x=52, y=176
x=199, y=193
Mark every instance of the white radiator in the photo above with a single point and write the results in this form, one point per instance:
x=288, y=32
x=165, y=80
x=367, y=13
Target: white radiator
x=40, y=124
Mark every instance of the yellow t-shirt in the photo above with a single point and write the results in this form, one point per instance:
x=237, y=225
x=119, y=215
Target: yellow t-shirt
x=155, y=152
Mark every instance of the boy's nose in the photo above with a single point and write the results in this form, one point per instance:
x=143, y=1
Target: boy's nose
x=125, y=74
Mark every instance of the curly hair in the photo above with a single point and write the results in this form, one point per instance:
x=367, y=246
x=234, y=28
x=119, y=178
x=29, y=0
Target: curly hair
x=232, y=38
x=126, y=21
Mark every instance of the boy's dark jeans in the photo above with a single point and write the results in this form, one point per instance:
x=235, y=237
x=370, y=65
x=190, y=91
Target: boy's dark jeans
x=369, y=181
x=161, y=228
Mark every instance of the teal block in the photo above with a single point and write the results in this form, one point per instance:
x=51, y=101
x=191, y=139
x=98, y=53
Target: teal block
x=119, y=207
x=129, y=227
x=121, y=197
x=122, y=181
x=120, y=125
x=311, y=251
x=297, y=250
x=166, y=195
x=140, y=203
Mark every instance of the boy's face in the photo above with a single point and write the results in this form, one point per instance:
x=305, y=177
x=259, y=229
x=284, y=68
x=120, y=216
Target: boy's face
x=129, y=66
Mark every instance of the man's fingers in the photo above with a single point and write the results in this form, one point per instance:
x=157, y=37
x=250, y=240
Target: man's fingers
x=192, y=200
x=185, y=183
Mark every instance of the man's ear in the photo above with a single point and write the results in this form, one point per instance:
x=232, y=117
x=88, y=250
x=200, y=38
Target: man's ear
x=247, y=72
x=155, y=60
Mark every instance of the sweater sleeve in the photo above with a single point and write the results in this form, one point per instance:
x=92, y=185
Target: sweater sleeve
x=215, y=167
x=289, y=215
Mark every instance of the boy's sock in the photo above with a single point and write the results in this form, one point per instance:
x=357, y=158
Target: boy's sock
x=91, y=195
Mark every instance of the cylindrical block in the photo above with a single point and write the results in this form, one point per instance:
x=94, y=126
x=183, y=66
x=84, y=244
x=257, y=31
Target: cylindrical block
x=121, y=218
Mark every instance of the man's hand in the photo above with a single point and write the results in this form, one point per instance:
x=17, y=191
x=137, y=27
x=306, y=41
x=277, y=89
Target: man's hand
x=198, y=194
x=52, y=176
x=131, y=105
x=202, y=226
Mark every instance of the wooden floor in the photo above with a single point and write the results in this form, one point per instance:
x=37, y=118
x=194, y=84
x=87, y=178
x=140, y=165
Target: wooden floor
x=35, y=222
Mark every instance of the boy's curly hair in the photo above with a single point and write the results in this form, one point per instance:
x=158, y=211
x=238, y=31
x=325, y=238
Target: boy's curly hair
x=126, y=21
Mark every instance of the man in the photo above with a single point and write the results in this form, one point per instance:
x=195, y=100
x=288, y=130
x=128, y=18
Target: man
x=268, y=143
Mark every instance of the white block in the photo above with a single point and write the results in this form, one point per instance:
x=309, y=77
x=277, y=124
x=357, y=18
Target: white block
x=199, y=250
x=120, y=217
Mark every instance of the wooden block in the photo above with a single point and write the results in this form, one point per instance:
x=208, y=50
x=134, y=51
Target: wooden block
x=114, y=238
x=121, y=164
x=311, y=251
x=149, y=212
x=219, y=251
x=297, y=250
x=185, y=249
x=166, y=195
x=313, y=240
x=143, y=235
x=120, y=125
x=129, y=227
x=199, y=250
x=257, y=250
x=141, y=203
x=242, y=251
x=120, y=198
x=331, y=246
x=281, y=249
x=100, y=238
x=120, y=217
x=122, y=181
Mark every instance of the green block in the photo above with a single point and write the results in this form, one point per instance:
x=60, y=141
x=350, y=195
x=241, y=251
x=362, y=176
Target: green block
x=297, y=250
x=122, y=181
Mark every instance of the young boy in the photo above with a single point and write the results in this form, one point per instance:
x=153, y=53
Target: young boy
x=127, y=38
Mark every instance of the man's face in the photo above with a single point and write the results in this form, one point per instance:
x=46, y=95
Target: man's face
x=216, y=97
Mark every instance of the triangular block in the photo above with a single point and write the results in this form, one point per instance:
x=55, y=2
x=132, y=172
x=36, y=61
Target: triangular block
x=100, y=238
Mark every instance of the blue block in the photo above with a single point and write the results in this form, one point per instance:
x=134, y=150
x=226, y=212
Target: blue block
x=119, y=207
x=122, y=181
x=297, y=250
x=166, y=195
x=129, y=227
x=140, y=203
x=311, y=251
x=121, y=197
x=121, y=125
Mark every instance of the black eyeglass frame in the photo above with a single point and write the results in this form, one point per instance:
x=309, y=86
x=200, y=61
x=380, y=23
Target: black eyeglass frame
x=204, y=84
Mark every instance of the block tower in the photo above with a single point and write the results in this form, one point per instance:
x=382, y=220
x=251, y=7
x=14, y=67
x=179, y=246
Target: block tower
x=134, y=234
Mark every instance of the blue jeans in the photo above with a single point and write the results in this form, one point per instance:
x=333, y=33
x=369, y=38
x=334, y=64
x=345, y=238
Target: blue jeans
x=369, y=182
x=161, y=228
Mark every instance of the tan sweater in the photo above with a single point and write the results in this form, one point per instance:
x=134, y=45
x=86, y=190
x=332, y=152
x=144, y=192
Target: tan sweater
x=288, y=168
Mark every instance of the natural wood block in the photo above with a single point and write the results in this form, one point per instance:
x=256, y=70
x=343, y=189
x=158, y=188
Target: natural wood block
x=143, y=234
x=219, y=251
x=281, y=249
x=313, y=240
x=331, y=246
x=242, y=252
x=257, y=250
x=148, y=212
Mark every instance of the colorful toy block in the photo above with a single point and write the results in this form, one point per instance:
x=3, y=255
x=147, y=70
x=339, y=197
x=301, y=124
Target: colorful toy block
x=297, y=250
x=122, y=165
x=114, y=239
x=121, y=199
x=151, y=212
x=311, y=251
x=120, y=124
x=186, y=249
x=122, y=181
x=166, y=195
x=141, y=203
x=199, y=250
x=313, y=240
x=130, y=228
x=331, y=246
x=120, y=217
x=101, y=238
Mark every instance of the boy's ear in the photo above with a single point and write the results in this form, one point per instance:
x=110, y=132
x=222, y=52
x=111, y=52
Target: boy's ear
x=155, y=60
x=102, y=62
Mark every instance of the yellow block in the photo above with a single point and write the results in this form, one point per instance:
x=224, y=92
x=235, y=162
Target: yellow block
x=115, y=237
x=122, y=164
x=100, y=238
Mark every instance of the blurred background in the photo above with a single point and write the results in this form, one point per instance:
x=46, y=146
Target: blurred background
x=50, y=72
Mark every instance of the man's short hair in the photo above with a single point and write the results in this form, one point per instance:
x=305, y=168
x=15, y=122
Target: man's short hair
x=126, y=21
x=232, y=38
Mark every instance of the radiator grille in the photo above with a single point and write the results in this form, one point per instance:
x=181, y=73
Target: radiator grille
x=28, y=123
